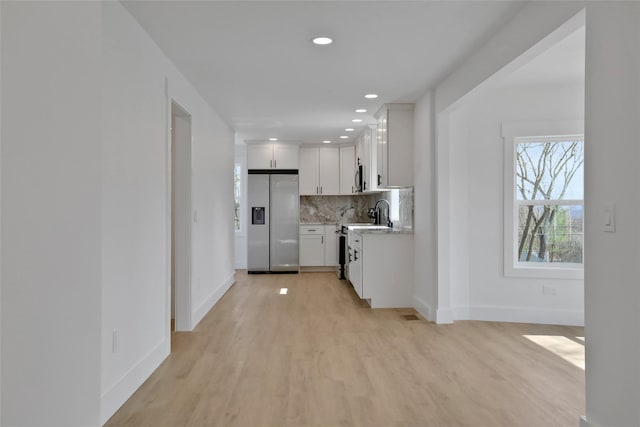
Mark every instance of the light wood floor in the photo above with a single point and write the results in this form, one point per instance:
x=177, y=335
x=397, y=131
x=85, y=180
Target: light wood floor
x=319, y=357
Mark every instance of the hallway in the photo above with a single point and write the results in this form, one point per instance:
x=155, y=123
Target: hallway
x=318, y=356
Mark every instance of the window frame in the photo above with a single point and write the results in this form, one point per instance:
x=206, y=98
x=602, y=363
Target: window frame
x=241, y=219
x=513, y=134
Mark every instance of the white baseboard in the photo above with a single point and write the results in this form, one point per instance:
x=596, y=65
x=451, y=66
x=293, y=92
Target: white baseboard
x=211, y=300
x=444, y=315
x=423, y=308
x=118, y=393
x=586, y=423
x=520, y=315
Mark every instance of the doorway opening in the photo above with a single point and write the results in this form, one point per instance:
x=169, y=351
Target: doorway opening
x=180, y=218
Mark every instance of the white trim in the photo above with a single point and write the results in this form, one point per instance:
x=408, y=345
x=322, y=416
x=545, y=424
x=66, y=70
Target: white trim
x=183, y=223
x=543, y=129
x=586, y=423
x=203, y=309
x=423, y=308
x=511, y=132
x=444, y=315
x=122, y=389
x=520, y=315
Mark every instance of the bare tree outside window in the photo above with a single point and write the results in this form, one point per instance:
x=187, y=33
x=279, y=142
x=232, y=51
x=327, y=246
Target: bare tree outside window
x=549, y=193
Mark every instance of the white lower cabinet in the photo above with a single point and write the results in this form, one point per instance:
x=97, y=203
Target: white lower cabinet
x=381, y=268
x=311, y=245
x=355, y=262
x=330, y=246
x=318, y=246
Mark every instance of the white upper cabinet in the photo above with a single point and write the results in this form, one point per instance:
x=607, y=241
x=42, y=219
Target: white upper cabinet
x=260, y=156
x=308, y=174
x=329, y=170
x=319, y=171
x=347, y=170
x=366, y=156
x=394, y=145
x=285, y=156
x=272, y=156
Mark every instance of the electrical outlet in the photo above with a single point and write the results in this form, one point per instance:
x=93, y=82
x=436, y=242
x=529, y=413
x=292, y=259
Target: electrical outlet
x=548, y=290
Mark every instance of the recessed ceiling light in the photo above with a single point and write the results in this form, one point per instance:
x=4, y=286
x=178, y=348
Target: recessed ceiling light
x=371, y=96
x=356, y=120
x=326, y=142
x=273, y=139
x=322, y=40
x=361, y=110
x=349, y=130
x=343, y=137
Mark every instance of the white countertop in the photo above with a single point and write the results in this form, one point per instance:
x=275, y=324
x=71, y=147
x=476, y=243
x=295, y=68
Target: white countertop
x=378, y=229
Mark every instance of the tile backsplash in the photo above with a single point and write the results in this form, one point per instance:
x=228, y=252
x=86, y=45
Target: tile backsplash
x=353, y=208
x=335, y=209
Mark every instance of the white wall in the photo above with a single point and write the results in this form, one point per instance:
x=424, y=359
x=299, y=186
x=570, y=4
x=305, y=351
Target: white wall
x=479, y=289
x=51, y=238
x=136, y=210
x=0, y=216
x=241, y=236
x=611, y=136
x=425, y=273
x=612, y=294
x=85, y=196
x=512, y=46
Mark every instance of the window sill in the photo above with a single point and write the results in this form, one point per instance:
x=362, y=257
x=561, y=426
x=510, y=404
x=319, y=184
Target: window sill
x=545, y=272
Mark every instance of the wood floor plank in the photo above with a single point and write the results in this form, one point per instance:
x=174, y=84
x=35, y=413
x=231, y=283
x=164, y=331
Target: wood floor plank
x=318, y=356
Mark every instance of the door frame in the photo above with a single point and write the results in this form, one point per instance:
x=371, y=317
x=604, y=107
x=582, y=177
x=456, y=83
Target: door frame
x=179, y=215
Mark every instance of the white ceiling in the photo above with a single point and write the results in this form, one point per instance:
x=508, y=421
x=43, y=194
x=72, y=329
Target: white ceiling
x=255, y=64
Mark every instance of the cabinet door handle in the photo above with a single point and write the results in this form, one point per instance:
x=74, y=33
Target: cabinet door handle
x=322, y=239
x=352, y=188
x=311, y=229
x=321, y=189
x=275, y=163
x=355, y=255
x=270, y=163
x=317, y=190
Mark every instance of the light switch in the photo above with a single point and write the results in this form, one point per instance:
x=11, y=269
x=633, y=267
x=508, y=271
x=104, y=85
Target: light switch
x=609, y=218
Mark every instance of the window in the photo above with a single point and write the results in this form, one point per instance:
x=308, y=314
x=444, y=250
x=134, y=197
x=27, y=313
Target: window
x=544, y=221
x=237, y=186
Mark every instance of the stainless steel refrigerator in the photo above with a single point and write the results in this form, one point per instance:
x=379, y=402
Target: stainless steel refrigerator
x=272, y=235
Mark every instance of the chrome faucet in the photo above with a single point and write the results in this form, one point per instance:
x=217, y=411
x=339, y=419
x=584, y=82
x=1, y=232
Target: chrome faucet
x=378, y=213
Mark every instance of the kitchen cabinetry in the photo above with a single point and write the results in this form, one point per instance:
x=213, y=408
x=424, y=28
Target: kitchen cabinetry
x=355, y=262
x=330, y=246
x=311, y=245
x=394, y=145
x=318, y=246
x=347, y=170
x=319, y=171
x=366, y=156
x=272, y=156
x=381, y=267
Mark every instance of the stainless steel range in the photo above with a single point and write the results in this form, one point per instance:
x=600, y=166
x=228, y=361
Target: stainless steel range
x=343, y=251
